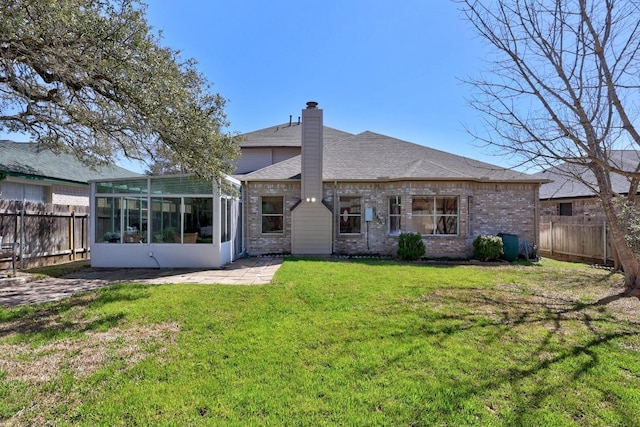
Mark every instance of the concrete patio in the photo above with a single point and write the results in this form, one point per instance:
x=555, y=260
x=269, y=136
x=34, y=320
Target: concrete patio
x=25, y=290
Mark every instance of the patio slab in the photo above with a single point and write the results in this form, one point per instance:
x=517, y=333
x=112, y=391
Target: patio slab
x=23, y=290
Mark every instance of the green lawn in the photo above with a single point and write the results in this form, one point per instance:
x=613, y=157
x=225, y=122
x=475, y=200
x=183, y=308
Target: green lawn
x=333, y=343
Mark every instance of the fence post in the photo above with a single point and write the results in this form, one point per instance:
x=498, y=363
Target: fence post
x=551, y=237
x=72, y=235
x=604, y=241
x=85, y=236
x=21, y=237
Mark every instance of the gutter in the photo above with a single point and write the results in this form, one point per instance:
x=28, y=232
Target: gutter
x=6, y=174
x=386, y=179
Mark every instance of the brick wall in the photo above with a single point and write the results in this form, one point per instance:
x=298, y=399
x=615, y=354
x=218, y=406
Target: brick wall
x=483, y=209
x=506, y=208
x=70, y=195
x=258, y=243
x=586, y=210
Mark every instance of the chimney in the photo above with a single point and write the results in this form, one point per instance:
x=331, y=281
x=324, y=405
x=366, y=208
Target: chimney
x=311, y=153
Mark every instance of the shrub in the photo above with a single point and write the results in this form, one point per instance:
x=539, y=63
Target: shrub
x=410, y=246
x=486, y=248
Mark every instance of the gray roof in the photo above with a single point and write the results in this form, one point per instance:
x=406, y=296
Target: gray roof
x=371, y=156
x=286, y=135
x=565, y=187
x=24, y=158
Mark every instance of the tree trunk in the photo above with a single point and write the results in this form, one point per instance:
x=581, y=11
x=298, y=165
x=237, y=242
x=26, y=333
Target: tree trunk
x=628, y=261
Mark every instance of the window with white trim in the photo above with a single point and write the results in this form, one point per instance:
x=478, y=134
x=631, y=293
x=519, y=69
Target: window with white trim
x=435, y=215
x=395, y=217
x=272, y=214
x=350, y=215
x=24, y=192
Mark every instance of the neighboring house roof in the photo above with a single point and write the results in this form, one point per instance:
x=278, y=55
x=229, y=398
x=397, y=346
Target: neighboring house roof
x=371, y=156
x=285, y=135
x=30, y=161
x=564, y=187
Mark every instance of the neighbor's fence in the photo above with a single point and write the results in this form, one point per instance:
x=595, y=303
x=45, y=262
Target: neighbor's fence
x=578, y=242
x=45, y=233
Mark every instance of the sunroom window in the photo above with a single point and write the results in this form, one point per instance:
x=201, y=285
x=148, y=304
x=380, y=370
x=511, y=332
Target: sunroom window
x=126, y=209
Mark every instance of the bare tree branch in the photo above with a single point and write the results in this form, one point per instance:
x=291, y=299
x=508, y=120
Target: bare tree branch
x=562, y=88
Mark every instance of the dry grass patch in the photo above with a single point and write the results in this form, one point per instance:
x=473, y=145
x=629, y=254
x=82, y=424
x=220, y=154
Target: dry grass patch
x=84, y=355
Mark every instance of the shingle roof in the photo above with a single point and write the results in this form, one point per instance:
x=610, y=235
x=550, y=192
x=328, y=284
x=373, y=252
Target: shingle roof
x=564, y=187
x=26, y=158
x=371, y=156
x=286, y=135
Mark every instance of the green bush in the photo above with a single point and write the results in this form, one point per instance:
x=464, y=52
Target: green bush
x=487, y=248
x=410, y=246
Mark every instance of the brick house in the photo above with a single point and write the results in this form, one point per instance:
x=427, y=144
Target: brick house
x=573, y=225
x=338, y=193
x=567, y=200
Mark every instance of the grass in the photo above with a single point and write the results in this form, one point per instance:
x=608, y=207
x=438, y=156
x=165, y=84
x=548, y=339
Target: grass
x=58, y=270
x=333, y=343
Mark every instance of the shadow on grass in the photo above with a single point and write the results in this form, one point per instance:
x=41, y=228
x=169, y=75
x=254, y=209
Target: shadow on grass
x=70, y=316
x=561, y=329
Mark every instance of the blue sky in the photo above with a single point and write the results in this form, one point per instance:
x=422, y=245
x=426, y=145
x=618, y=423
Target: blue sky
x=392, y=67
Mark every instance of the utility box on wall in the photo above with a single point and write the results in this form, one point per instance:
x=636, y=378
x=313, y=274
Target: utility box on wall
x=368, y=214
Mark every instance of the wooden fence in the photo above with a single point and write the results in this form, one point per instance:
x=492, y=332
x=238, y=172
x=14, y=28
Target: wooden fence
x=45, y=233
x=578, y=242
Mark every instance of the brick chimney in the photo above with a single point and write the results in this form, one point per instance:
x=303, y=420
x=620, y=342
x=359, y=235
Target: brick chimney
x=312, y=153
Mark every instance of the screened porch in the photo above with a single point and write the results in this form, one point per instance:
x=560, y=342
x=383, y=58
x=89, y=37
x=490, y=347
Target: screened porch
x=165, y=221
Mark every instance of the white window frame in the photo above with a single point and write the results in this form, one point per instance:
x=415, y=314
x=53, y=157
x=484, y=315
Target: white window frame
x=394, y=201
x=25, y=192
x=344, y=215
x=264, y=215
x=435, y=216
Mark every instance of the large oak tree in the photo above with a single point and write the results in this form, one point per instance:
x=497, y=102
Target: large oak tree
x=91, y=78
x=562, y=87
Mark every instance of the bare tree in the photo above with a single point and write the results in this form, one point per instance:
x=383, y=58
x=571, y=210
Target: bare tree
x=90, y=77
x=563, y=87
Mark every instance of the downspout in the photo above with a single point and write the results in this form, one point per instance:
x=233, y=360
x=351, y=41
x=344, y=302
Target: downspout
x=334, y=230
x=245, y=218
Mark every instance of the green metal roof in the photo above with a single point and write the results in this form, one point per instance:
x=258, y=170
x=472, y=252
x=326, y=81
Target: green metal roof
x=30, y=161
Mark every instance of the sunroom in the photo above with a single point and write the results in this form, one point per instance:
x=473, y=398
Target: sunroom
x=172, y=221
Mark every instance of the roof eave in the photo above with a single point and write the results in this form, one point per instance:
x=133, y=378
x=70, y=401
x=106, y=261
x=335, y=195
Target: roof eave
x=388, y=179
x=41, y=178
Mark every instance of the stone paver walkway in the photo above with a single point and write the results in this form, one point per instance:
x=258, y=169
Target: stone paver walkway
x=246, y=271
